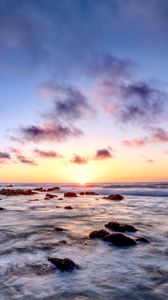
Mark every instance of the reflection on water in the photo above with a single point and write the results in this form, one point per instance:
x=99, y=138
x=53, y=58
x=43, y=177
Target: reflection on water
x=27, y=238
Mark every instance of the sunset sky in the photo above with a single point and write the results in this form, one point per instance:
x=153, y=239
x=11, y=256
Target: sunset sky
x=83, y=90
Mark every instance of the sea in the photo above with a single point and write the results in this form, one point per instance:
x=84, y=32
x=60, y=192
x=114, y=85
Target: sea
x=106, y=272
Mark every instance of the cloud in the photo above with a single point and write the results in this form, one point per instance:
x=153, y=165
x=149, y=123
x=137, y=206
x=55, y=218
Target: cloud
x=49, y=132
x=103, y=154
x=4, y=157
x=77, y=159
x=135, y=143
x=108, y=66
x=150, y=161
x=68, y=102
x=47, y=154
x=26, y=161
x=159, y=135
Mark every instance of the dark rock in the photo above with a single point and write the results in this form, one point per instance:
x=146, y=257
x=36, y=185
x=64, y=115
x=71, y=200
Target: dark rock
x=17, y=192
x=60, y=199
x=1, y=208
x=142, y=239
x=119, y=239
x=68, y=207
x=9, y=185
x=55, y=188
x=39, y=189
x=50, y=196
x=120, y=227
x=70, y=194
x=59, y=229
x=115, y=197
x=88, y=193
x=98, y=234
x=63, y=264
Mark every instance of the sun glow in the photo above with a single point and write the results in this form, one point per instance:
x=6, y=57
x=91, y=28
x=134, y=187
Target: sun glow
x=82, y=181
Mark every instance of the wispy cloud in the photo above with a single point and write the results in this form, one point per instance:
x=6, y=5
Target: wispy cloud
x=24, y=160
x=49, y=131
x=47, y=154
x=4, y=157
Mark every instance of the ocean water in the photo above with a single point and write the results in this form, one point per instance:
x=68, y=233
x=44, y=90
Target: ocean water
x=27, y=238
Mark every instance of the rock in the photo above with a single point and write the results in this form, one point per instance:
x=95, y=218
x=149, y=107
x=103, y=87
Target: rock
x=120, y=227
x=98, y=234
x=1, y=208
x=9, y=185
x=53, y=189
x=88, y=193
x=119, y=239
x=59, y=229
x=70, y=194
x=63, y=264
x=68, y=207
x=115, y=197
x=40, y=189
x=50, y=196
x=60, y=199
x=142, y=239
x=17, y=192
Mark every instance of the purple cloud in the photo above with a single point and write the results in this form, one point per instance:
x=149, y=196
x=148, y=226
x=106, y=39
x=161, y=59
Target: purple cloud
x=26, y=161
x=68, y=102
x=103, y=154
x=49, y=131
x=4, y=157
x=47, y=154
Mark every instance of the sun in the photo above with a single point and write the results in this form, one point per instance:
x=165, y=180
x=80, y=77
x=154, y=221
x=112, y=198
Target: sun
x=82, y=181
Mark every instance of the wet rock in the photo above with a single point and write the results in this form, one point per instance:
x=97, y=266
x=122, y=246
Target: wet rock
x=119, y=239
x=120, y=227
x=98, y=234
x=142, y=239
x=55, y=188
x=60, y=199
x=70, y=194
x=63, y=264
x=17, y=192
x=1, y=208
x=50, y=196
x=40, y=189
x=87, y=193
x=116, y=197
x=68, y=207
x=9, y=185
x=59, y=229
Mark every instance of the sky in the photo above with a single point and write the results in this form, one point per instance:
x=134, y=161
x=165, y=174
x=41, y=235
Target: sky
x=83, y=90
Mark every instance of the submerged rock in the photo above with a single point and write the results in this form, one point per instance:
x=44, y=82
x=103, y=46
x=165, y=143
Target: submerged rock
x=68, y=207
x=119, y=239
x=53, y=189
x=1, y=208
x=50, y=196
x=98, y=234
x=40, y=189
x=63, y=264
x=142, y=239
x=59, y=229
x=120, y=227
x=116, y=197
x=88, y=193
x=70, y=194
x=17, y=192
